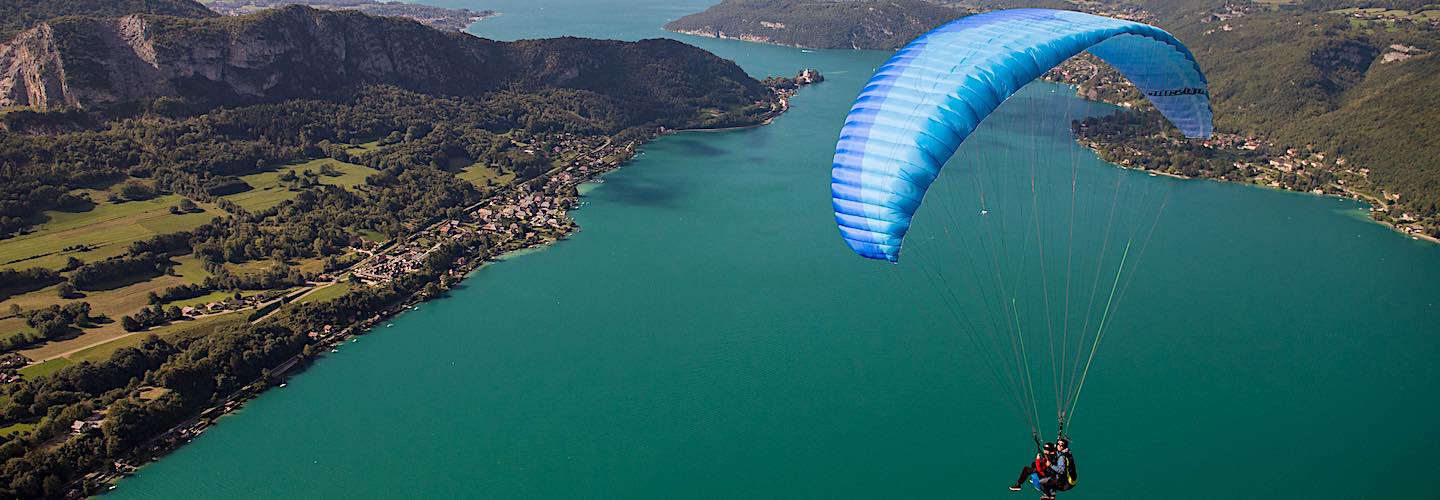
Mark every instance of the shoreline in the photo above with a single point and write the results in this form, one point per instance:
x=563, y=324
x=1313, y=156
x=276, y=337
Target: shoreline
x=1346, y=192
x=742, y=38
x=157, y=447
x=1347, y=195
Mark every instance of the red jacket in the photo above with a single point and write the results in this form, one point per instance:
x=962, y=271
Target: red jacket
x=1042, y=466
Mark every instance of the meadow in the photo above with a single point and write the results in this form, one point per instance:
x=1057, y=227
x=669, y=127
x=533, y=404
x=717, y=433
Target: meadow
x=107, y=230
x=268, y=190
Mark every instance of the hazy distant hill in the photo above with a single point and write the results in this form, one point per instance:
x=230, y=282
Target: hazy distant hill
x=827, y=24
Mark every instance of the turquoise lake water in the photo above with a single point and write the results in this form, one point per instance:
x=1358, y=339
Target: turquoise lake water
x=707, y=335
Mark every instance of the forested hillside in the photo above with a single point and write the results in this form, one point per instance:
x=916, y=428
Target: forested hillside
x=605, y=86
x=1361, y=91
x=823, y=24
x=1349, y=88
x=169, y=184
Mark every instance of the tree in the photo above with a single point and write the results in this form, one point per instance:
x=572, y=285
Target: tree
x=136, y=191
x=188, y=206
x=72, y=263
x=66, y=290
x=129, y=324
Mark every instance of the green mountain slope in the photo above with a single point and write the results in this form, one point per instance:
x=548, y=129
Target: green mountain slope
x=862, y=24
x=1305, y=75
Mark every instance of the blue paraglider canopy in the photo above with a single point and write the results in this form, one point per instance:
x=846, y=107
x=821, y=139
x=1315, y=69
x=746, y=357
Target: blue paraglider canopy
x=922, y=104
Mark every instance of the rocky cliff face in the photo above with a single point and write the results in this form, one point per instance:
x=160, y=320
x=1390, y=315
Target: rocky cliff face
x=290, y=52
x=33, y=73
x=297, y=52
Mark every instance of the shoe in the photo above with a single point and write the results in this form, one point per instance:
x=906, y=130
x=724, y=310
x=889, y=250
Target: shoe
x=1014, y=488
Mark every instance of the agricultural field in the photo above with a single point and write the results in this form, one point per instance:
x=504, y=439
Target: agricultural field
x=118, y=301
x=17, y=428
x=113, y=303
x=362, y=148
x=11, y=324
x=371, y=235
x=481, y=175
x=268, y=190
x=102, y=351
x=108, y=229
x=326, y=293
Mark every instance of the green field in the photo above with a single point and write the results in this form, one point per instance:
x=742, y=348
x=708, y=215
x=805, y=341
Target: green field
x=44, y=368
x=102, y=352
x=109, y=227
x=12, y=324
x=367, y=147
x=114, y=303
x=478, y=174
x=174, y=330
x=119, y=301
x=21, y=428
x=328, y=293
x=270, y=191
x=371, y=235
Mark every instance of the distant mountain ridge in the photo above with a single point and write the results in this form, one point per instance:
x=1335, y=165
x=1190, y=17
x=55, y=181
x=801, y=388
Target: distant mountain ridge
x=819, y=24
x=1311, y=75
x=19, y=15
x=299, y=52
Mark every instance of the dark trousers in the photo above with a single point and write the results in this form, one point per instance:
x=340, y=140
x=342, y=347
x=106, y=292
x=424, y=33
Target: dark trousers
x=1025, y=475
x=1047, y=484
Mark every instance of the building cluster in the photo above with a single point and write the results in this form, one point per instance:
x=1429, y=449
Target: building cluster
x=1422, y=18
x=518, y=216
x=387, y=266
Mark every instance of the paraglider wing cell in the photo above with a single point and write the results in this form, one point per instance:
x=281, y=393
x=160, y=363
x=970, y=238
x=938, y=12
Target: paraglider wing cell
x=922, y=103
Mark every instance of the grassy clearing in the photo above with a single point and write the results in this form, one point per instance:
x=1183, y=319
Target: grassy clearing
x=311, y=265
x=199, y=327
x=108, y=227
x=101, y=352
x=326, y=293
x=113, y=303
x=367, y=147
x=250, y=267
x=119, y=301
x=482, y=175
x=152, y=393
x=45, y=368
x=11, y=325
x=18, y=428
x=371, y=235
x=269, y=190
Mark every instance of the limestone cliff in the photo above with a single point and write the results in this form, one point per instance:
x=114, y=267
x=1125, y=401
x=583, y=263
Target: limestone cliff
x=298, y=52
